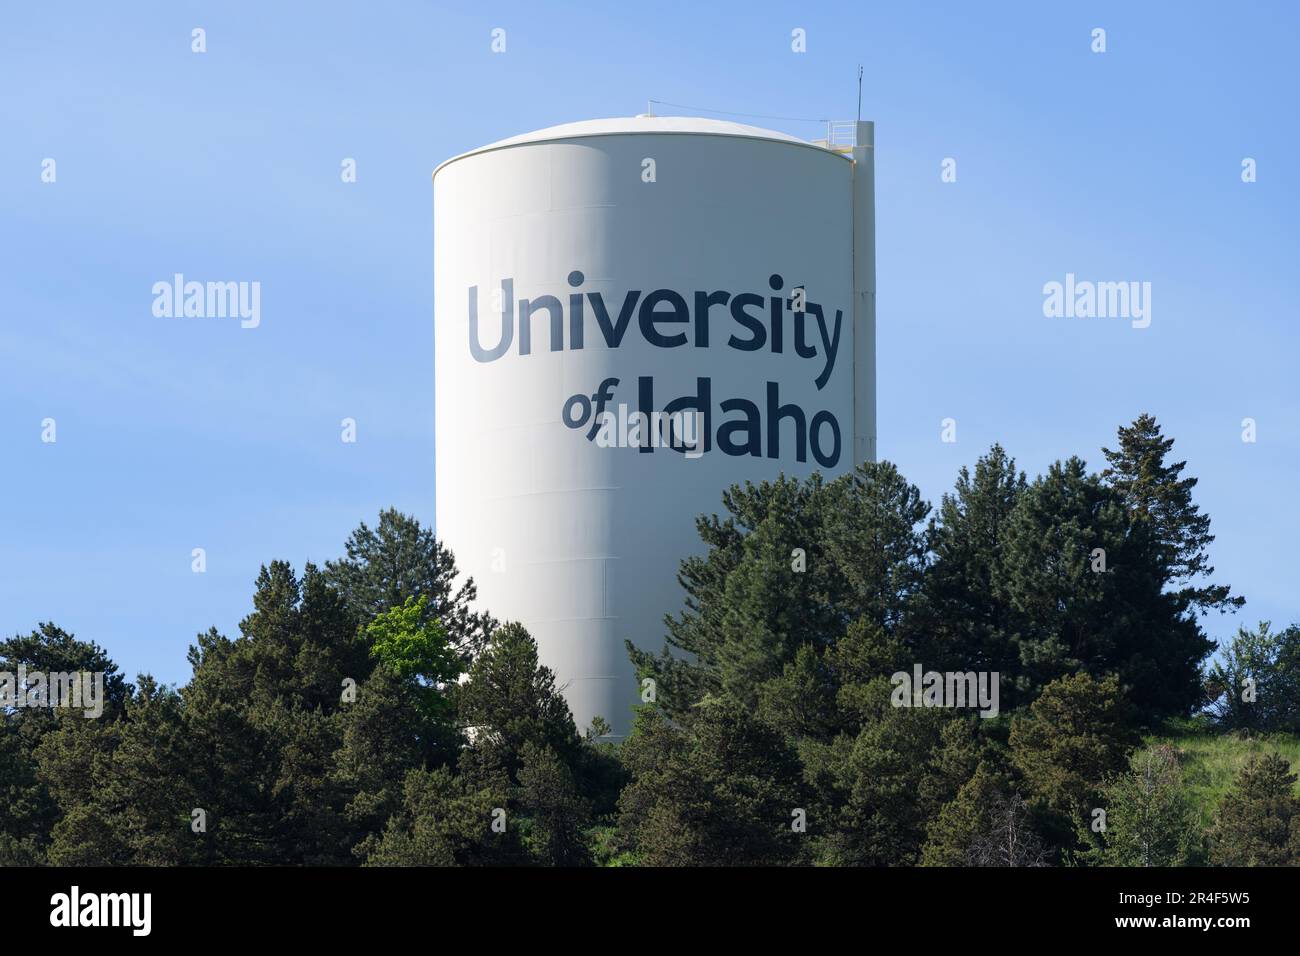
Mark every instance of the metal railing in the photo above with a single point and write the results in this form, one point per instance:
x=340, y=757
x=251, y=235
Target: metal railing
x=841, y=134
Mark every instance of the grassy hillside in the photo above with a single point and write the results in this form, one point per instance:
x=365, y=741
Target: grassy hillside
x=1211, y=760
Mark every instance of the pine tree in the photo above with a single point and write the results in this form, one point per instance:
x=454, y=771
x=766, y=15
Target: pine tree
x=123, y=786
x=876, y=536
x=399, y=560
x=29, y=805
x=1149, y=817
x=557, y=814
x=511, y=701
x=1084, y=588
x=263, y=713
x=747, y=609
x=887, y=781
x=51, y=649
x=385, y=734
x=722, y=791
x=801, y=701
x=985, y=824
x=1258, y=822
x=769, y=608
x=27, y=812
x=1157, y=495
x=795, y=563
x=1077, y=733
x=970, y=623
x=448, y=819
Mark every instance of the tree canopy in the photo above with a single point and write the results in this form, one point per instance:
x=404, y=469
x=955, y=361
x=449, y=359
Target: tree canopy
x=854, y=678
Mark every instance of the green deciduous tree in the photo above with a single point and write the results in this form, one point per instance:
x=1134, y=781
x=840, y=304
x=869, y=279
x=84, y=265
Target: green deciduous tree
x=415, y=648
x=1255, y=684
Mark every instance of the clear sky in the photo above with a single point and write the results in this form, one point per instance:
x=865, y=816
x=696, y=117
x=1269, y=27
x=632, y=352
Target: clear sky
x=174, y=434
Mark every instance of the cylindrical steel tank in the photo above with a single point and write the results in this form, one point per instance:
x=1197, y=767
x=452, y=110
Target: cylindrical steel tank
x=710, y=272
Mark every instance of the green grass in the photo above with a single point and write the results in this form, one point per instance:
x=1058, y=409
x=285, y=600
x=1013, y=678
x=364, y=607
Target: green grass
x=1211, y=760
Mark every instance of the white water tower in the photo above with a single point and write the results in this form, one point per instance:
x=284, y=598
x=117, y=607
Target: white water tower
x=600, y=284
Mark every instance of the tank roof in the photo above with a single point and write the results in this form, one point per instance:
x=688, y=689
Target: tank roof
x=630, y=125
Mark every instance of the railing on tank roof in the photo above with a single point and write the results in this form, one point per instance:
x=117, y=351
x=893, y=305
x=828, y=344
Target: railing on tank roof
x=841, y=136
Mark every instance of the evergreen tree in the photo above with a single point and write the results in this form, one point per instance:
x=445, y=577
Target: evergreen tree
x=1077, y=733
x=801, y=702
x=450, y=820
x=53, y=650
x=859, y=662
x=722, y=792
x=145, y=790
x=384, y=735
x=1150, y=820
x=876, y=537
x=557, y=813
x=1157, y=496
x=510, y=701
x=738, y=585
x=263, y=713
x=985, y=824
x=769, y=607
x=1258, y=822
x=122, y=786
x=28, y=810
x=1084, y=588
x=399, y=560
x=795, y=563
x=891, y=786
x=970, y=623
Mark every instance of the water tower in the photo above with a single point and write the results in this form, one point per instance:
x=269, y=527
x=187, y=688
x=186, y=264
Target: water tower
x=631, y=315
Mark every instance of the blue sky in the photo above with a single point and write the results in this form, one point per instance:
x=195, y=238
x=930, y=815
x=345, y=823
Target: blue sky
x=173, y=435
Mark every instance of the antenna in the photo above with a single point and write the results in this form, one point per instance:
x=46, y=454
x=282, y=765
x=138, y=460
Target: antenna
x=859, y=92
